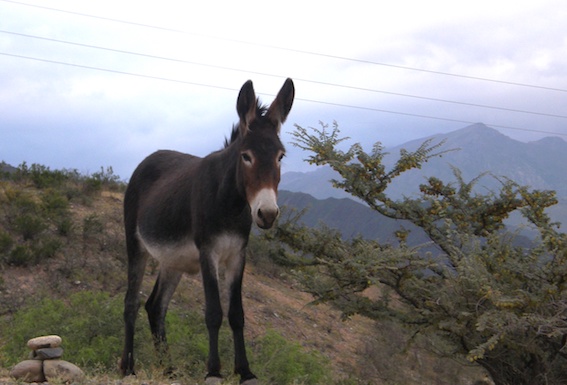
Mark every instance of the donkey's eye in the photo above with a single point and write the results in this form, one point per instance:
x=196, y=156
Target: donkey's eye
x=246, y=157
x=281, y=157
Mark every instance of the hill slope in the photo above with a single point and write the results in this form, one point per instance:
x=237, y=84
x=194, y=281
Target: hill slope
x=478, y=149
x=351, y=218
x=88, y=255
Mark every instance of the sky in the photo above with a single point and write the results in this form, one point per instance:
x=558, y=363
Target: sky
x=91, y=84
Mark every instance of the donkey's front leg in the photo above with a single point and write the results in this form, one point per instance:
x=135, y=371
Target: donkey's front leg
x=236, y=319
x=213, y=315
x=235, y=272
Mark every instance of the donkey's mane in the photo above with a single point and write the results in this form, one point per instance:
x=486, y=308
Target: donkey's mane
x=261, y=110
x=233, y=136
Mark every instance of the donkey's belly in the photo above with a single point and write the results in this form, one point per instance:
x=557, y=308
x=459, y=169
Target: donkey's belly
x=182, y=256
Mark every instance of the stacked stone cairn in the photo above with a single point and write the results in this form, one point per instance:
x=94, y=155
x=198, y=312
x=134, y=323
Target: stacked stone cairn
x=45, y=363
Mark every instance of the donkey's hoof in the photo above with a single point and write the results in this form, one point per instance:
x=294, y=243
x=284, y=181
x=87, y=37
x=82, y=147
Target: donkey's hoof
x=213, y=381
x=252, y=381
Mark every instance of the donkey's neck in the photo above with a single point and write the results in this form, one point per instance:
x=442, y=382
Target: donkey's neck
x=230, y=191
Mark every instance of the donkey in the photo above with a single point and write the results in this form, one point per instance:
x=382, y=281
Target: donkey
x=195, y=214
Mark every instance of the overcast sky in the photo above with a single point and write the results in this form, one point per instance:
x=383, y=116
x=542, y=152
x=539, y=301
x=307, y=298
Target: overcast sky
x=85, y=84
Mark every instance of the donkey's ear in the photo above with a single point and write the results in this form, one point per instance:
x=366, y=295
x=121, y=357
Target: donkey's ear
x=246, y=106
x=280, y=107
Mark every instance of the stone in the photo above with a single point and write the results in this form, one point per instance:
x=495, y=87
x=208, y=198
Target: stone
x=62, y=370
x=213, y=381
x=47, y=353
x=28, y=371
x=52, y=341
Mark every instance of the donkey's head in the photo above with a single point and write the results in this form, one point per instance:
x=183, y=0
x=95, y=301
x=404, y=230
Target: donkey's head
x=261, y=150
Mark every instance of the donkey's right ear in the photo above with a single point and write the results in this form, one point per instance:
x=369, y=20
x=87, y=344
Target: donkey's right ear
x=280, y=107
x=246, y=106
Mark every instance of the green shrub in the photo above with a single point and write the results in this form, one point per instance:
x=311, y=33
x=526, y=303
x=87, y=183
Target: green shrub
x=55, y=203
x=43, y=318
x=92, y=185
x=29, y=226
x=92, y=226
x=280, y=361
x=90, y=324
x=45, y=248
x=65, y=226
x=43, y=177
x=18, y=201
x=105, y=178
x=31, y=253
x=6, y=243
x=21, y=255
x=23, y=214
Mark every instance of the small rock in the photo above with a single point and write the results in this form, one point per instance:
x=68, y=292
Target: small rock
x=44, y=342
x=62, y=370
x=28, y=371
x=213, y=381
x=47, y=353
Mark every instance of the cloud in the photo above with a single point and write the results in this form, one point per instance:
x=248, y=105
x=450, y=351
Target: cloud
x=174, y=85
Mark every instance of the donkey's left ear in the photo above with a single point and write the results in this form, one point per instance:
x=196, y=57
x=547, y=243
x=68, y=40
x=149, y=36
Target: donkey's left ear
x=280, y=107
x=246, y=106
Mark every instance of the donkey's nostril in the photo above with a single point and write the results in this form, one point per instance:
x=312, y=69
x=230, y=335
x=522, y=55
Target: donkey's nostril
x=267, y=218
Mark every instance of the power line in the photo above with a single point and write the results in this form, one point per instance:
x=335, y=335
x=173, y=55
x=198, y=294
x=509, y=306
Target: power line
x=278, y=76
x=337, y=57
x=301, y=99
x=430, y=117
x=437, y=99
x=117, y=71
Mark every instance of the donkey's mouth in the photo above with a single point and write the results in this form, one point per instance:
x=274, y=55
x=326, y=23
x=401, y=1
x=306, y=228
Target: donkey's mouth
x=265, y=218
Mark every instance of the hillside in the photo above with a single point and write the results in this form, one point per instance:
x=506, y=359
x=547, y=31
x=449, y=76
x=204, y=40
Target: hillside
x=477, y=149
x=351, y=218
x=71, y=242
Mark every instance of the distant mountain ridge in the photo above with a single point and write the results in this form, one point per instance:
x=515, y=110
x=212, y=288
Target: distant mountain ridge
x=350, y=218
x=479, y=149
x=540, y=164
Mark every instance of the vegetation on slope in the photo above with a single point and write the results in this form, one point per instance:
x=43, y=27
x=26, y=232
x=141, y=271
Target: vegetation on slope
x=483, y=299
x=61, y=252
x=62, y=265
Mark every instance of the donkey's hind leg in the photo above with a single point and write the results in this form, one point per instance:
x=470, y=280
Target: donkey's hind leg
x=156, y=307
x=136, y=268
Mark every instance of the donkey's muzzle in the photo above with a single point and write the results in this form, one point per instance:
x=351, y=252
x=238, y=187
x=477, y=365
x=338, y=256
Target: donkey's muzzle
x=266, y=218
x=264, y=208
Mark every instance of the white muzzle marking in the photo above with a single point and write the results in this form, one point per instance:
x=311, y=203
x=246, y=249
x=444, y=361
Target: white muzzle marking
x=265, y=208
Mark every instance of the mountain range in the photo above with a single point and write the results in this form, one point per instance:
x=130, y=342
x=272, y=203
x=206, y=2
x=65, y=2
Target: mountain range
x=474, y=150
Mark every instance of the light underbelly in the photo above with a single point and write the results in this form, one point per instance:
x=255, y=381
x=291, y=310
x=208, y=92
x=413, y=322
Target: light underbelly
x=181, y=256
x=184, y=255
